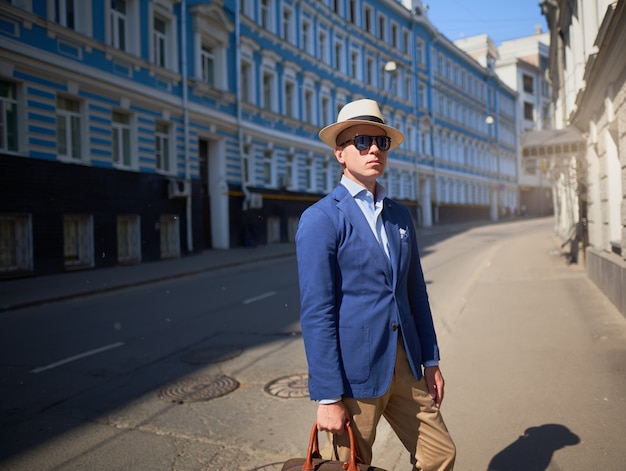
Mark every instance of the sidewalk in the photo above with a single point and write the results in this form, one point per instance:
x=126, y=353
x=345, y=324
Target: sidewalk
x=26, y=292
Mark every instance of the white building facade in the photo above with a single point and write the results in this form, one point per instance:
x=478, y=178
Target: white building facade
x=588, y=73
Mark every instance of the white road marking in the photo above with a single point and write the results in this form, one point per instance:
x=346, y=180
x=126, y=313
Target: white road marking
x=259, y=297
x=77, y=357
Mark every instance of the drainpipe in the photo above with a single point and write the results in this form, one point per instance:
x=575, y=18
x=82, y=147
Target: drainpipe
x=431, y=100
x=414, y=73
x=244, y=183
x=183, y=45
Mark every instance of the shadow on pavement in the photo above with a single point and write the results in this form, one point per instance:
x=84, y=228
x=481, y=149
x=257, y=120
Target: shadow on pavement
x=533, y=450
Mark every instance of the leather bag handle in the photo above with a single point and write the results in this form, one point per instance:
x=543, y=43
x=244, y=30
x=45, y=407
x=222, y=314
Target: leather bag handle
x=314, y=451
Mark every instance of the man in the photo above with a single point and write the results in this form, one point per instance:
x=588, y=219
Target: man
x=365, y=315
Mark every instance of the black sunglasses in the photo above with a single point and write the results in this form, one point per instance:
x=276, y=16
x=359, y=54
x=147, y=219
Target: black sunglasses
x=364, y=142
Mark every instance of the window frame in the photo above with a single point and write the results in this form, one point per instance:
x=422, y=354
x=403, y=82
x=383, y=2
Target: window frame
x=75, y=119
x=118, y=36
x=163, y=144
x=16, y=243
x=124, y=148
x=82, y=251
x=14, y=121
x=207, y=58
x=128, y=241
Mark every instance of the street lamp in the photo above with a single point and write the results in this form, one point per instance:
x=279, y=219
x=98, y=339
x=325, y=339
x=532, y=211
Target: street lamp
x=391, y=66
x=495, y=211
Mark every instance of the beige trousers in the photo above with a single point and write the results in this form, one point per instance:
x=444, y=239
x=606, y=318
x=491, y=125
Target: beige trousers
x=412, y=415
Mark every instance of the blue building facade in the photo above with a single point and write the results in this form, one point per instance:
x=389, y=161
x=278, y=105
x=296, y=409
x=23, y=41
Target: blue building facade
x=160, y=128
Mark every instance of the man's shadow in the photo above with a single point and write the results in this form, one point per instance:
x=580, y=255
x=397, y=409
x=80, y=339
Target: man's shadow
x=533, y=451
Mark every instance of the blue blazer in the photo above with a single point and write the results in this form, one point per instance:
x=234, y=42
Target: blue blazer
x=353, y=298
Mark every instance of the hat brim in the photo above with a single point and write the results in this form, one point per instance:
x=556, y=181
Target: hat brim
x=328, y=135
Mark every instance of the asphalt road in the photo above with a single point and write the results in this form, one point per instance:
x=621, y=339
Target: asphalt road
x=533, y=356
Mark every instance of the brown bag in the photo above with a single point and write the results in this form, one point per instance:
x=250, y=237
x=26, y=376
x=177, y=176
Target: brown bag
x=314, y=461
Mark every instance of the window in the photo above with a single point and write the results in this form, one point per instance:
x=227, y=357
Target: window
x=309, y=177
x=528, y=111
x=159, y=41
x=16, y=243
x=169, y=233
x=267, y=168
x=408, y=86
x=78, y=241
x=421, y=53
x=128, y=239
x=394, y=35
x=287, y=31
x=248, y=165
x=324, y=53
x=308, y=106
x=290, y=171
x=268, y=91
x=267, y=15
x=162, y=147
x=69, y=14
x=338, y=55
x=368, y=20
x=65, y=13
x=8, y=116
x=118, y=21
x=207, y=60
x=381, y=27
x=292, y=227
x=352, y=11
x=406, y=42
x=354, y=64
x=121, y=139
x=290, y=101
x=273, y=230
x=528, y=83
x=530, y=166
x=210, y=45
x=423, y=98
x=246, y=82
x=325, y=111
x=369, y=71
x=247, y=8
x=306, y=36
x=68, y=128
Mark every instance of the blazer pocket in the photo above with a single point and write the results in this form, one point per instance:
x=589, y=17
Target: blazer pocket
x=355, y=353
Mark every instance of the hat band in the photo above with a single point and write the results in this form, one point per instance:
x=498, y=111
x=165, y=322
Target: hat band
x=374, y=119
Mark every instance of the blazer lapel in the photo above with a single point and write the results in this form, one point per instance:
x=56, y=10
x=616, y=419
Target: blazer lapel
x=346, y=204
x=393, y=236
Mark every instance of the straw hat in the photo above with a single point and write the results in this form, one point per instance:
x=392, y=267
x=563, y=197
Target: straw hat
x=359, y=112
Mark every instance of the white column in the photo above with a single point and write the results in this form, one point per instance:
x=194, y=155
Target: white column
x=493, y=214
x=427, y=215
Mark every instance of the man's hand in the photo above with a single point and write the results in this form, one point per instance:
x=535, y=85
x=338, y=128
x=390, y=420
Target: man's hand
x=435, y=383
x=332, y=417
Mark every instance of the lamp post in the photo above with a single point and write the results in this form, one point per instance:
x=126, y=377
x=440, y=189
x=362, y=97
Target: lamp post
x=390, y=68
x=495, y=203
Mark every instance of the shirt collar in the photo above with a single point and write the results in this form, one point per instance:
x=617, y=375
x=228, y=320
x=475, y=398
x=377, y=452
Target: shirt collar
x=355, y=188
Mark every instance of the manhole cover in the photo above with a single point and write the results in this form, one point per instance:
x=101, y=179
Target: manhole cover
x=202, y=388
x=289, y=386
x=214, y=354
